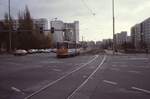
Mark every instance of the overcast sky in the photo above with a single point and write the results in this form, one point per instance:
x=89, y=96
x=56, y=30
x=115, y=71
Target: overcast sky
x=95, y=16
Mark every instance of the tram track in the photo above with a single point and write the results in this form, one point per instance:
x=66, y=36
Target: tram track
x=78, y=88
x=67, y=80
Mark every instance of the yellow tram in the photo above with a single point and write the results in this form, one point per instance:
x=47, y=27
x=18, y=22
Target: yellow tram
x=67, y=48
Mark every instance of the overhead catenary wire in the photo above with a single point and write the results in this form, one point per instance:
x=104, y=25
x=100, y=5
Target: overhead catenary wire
x=87, y=6
x=90, y=12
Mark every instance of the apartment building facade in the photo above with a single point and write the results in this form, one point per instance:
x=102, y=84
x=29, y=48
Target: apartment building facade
x=140, y=34
x=71, y=32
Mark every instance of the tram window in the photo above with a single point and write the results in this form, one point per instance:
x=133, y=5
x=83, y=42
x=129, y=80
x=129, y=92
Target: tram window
x=62, y=45
x=71, y=46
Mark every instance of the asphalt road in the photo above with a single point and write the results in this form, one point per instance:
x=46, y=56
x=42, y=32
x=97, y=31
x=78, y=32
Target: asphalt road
x=23, y=75
x=121, y=77
x=43, y=76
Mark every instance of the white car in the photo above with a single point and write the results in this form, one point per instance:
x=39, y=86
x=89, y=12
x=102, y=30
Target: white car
x=31, y=51
x=20, y=52
x=47, y=50
x=54, y=50
x=41, y=51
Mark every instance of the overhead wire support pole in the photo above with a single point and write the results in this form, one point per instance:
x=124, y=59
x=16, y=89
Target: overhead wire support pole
x=113, y=15
x=10, y=39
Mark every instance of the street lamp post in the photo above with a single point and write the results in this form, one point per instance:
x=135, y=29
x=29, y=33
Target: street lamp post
x=113, y=15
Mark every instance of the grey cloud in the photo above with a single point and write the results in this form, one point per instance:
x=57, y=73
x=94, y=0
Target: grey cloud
x=128, y=12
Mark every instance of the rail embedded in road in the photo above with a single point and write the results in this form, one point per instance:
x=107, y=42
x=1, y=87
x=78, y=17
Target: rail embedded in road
x=61, y=78
x=78, y=88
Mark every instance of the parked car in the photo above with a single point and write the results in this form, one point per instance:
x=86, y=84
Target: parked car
x=47, y=50
x=44, y=50
x=31, y=51
x=20, y=52
x=40, y=50
x=54, y=50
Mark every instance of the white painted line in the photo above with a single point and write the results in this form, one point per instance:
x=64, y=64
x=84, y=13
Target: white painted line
x=136, y=72
x=50, y=84
x=123, y=66
x=110, y=82
x=138, y=59
x=57, y=70
x=114, y=65
x=142, y=90
x=16, y=90
x=74, y=92
x=115, y=69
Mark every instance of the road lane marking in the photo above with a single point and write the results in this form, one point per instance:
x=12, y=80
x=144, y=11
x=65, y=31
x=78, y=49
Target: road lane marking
x=110, y=82
x=114, y=65
x=50, y=84
x=57, y=70
x=123, y=66
x=17, y=90
x=136, y=72
x=77, y=89
x=115, y=69
x=138, y=58
x=142, y=90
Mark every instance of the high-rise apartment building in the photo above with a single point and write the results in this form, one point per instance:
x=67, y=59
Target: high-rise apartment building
x=121, y=38
x=58, y=36
x=140, y=34
x=71, y=32
x=145, y=33
x=136, y=32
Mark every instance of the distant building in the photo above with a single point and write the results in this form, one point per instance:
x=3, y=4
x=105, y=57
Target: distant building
x=129, y=40
x=145, y=32
x=121, y=38
x=99, y=44
x=41, y=23
x=136, y=35
x=58, y=36
x=71, y=32
x=140, y=34
x=15, y=24
x=107, y=43
x=90, y=44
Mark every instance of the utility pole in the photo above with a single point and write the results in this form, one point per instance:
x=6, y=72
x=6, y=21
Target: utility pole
x=52, y=34
x=113, y=15
x=10, y=39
